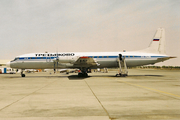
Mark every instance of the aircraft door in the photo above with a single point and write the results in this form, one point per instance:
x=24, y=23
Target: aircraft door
x=48, y=58
x=120, y=56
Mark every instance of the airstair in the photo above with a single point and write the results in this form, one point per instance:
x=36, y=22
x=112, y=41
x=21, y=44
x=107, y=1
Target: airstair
x=122, y=66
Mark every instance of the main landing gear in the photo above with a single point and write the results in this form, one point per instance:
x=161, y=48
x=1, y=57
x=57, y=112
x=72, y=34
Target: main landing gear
x=83, y=73
x=22, y=75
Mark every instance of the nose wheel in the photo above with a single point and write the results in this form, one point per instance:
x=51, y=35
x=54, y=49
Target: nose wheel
x=22, y=75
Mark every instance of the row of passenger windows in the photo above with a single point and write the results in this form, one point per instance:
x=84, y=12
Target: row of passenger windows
x=38, y=58
x=54, y=57
x=100, y=57
x=108, y=56
x=111, y=56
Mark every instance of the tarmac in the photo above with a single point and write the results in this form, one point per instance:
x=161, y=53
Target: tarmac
x=145, y=94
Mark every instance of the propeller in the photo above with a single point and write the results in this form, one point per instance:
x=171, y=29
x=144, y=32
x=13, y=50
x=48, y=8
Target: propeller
x=56, y=62
x=54, y=66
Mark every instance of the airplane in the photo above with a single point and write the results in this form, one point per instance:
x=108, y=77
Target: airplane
x=88, y=60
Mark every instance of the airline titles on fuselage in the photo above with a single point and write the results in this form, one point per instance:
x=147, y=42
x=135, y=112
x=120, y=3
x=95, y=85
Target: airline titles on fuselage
x=52, y=54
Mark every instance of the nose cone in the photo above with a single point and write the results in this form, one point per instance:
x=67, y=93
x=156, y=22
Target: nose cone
x=8, y=64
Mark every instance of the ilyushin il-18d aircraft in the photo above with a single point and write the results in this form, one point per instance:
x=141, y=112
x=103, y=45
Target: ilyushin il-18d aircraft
x=87, y=60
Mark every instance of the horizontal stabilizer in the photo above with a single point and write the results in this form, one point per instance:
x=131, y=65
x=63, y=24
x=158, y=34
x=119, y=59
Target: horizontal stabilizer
x=165, y=58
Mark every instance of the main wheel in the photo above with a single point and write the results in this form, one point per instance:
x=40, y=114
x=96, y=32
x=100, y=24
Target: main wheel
x=85, y=75
x=80, y=74
x=23, y=75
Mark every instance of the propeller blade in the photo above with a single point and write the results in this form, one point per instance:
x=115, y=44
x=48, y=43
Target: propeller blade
x=54, y=68
x=57, y=65
x=56, y=62
x=57, y=59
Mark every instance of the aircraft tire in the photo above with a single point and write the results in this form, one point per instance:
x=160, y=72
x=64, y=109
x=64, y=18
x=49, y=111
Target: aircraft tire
x=85, y=75
x=23, y=75
x=80, y=74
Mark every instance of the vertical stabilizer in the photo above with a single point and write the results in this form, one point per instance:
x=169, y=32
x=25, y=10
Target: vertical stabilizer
x=157, y=44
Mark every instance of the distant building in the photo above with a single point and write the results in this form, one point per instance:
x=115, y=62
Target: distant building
x=3, y=62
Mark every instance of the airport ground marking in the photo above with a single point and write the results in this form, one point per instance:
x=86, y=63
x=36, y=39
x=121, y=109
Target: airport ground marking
x=174, y=95
x=98, y=100
x=27, y=95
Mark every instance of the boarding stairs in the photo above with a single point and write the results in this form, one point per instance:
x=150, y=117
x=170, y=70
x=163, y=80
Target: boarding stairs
x=122, y=66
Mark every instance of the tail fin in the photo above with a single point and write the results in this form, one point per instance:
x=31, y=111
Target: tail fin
x=157, y=44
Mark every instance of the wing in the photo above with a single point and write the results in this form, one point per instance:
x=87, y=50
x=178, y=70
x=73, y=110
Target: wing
x=86, y=62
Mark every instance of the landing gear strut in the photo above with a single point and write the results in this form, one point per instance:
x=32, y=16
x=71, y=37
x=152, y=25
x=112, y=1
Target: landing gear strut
x=83, y=73
x=22, y=75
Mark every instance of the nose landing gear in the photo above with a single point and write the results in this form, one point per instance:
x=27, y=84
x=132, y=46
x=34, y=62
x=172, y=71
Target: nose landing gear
x=22, y=75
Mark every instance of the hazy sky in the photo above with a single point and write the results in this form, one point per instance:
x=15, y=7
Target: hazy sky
x=28, y=26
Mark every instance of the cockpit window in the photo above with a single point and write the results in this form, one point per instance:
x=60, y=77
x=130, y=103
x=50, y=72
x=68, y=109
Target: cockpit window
x=15, y=59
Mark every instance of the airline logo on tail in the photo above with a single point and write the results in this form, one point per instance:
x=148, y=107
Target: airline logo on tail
x=155, y=39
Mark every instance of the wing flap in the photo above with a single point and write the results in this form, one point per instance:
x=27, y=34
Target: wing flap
x=86, y=62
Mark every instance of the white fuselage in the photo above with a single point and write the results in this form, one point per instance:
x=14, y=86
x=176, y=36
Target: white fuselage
x=67, y=59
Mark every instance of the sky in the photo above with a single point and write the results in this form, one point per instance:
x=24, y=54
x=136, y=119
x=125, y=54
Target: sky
x=32, y=26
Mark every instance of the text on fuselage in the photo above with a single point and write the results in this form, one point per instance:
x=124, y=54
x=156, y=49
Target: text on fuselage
x=60, y=54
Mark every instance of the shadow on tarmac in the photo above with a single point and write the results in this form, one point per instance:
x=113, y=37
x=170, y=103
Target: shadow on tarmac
x=146, y=75
x=75, y=77
x=36, y=77
x=127, y=76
